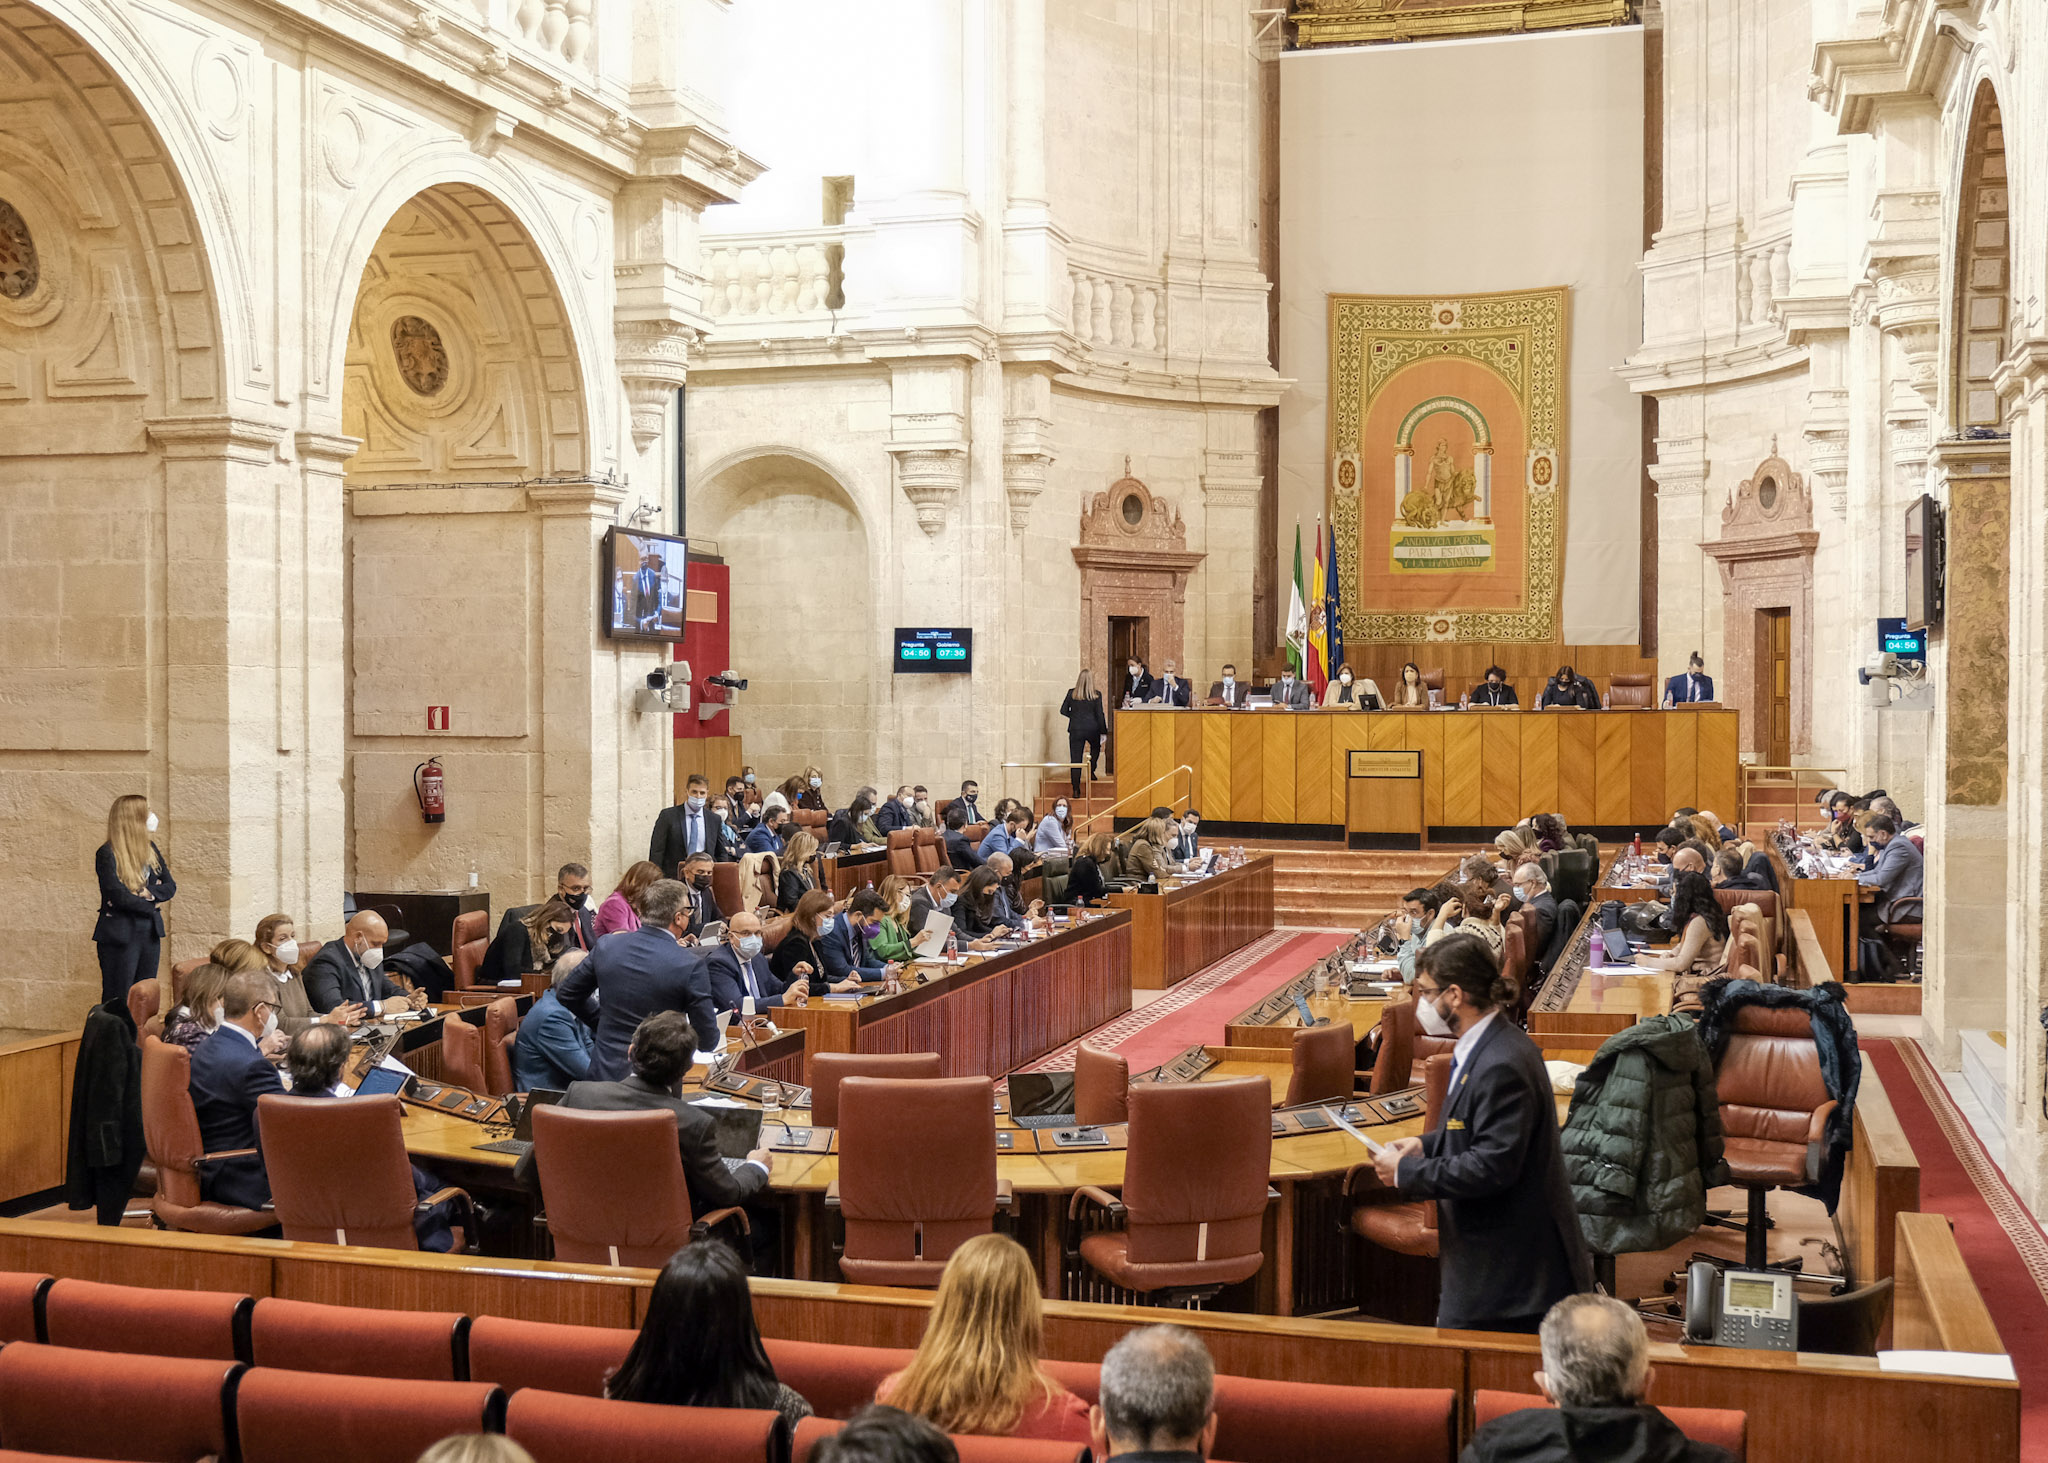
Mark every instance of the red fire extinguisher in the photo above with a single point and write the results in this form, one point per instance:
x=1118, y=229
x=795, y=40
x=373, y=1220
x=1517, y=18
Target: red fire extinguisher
x=429, y=789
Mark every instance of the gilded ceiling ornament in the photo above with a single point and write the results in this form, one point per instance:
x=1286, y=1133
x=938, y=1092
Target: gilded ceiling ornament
x=422, y=359
x=19, y=268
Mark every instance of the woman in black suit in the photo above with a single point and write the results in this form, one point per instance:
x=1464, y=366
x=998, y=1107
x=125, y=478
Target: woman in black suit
x=796, y=957
x=135, y=883
x=1085, y=876
x=1086, y=727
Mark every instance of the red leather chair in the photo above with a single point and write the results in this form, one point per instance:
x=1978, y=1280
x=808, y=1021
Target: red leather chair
x=725, y=889
x=462, y=1053
x=563, y=1429
x=1766, y=902
x=21, y=1303
x=339, y=1174
x=88, y=1404
x=902, y=852
x=1310, y=1422
x=144, y=998
x=1194, y=1193
x=149, y=1322
x=1102, y=1086
x=170, y=1131
x=1722, y=1427
x=1393, y=1066
x=1774, y=1111
x=612, y=1186
x=929, y=854
x=974, y=833
x=546, y=1354
x=1427, y=1046
x=836, y=1380
x=1407, y=1226
x=1630, y=691
x=908, y=1205
x=1323, y=1064
x=501, y=1030
x=1433, y=678
x=357, y=1341
x=180, y=969
x=309, y=1417
x=829, y=1069
x=471, y=937
x=1745, y=950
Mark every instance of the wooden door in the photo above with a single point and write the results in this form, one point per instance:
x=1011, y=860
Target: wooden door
x=1774, y=701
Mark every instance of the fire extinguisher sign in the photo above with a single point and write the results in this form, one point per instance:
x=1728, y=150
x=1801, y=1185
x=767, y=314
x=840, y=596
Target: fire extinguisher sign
x=437, y=718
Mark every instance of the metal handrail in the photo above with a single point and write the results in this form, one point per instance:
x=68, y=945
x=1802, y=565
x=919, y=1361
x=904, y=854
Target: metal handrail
x=1110, y=811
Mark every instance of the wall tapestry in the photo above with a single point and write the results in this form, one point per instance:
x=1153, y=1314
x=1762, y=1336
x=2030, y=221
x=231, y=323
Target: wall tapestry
x=1446, y=482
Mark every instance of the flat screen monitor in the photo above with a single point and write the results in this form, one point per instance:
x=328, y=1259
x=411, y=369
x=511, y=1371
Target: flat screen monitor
x=1893, y=638
x=928, y=652
x=644, y=579
x=1923, y=564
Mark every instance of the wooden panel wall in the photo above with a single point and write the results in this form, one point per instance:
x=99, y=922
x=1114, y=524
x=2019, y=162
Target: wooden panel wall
x=1480, y=769
x=1528, y=666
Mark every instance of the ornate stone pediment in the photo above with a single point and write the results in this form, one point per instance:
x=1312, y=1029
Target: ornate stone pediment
x=1772, y=501
x=1127, y=520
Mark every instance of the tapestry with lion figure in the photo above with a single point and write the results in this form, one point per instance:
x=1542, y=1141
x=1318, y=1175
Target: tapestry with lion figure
x=1447, y=464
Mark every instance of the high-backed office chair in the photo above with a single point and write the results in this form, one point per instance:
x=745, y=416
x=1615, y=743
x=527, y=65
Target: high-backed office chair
x=1427, y=1046
x=1393, y=1065
x=902, y=852
x=1774, y=1111
x=974, y=833
x=1631, y=691
x=1102, y=1086
x=1722, y=1427
x=471, y=938
x=1432, y=677
x=339, y=1173
x=181, y=970
x=144, y=1321
x=501, y=1030
x=462, y=1053
x=143, y=999
x=1847, y=1324
x=613, y=1189
x=829, y=1069
x=1745, y=949
x=1572, y=873
x=813, y=821
x=1194, y=1194
x=359, y=1341
x=929, y=853
x=1325, y=1060
x=1514, y=956
x=1766, y=902
x=87, y=1404
x=1402, y=1226
x=170, y=1131
x=917, y=1175
x=725, y=889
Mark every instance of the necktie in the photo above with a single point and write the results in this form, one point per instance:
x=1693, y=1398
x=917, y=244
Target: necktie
x=696, y=833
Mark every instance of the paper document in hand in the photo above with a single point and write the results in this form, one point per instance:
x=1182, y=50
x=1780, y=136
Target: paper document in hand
x=932, y=943
x=1336, y=1116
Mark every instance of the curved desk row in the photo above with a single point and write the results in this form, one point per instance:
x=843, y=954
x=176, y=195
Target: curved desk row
x=1190, y=924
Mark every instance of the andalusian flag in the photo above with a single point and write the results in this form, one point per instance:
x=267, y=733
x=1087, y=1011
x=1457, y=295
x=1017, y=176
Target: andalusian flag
x=1333, y=609
x=1297, y=615
x=1318, y=612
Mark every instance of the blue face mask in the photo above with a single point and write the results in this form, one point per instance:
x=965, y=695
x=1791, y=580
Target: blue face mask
x=748, y=946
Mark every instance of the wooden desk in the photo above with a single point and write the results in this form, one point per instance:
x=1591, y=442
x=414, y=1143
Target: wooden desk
x=35, y=1095
x=850, y=872
x=1611, y=772
x=1831, y=905
x=1193, y=923
x=993, y=1015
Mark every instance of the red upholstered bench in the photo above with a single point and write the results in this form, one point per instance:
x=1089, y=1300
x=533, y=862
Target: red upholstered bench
x=135, y=1318
x=312, y=1417
x=152, y=1409
x=1720, y=1426
x=554, y=1357
x=20, y=1299
x=812, y=1430
x=564, y=1429
x=8, y=1455
x=355, y=1341
x=836, y=1380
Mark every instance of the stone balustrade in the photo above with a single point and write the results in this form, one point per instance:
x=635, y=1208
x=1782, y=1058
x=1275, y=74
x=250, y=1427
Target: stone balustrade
x=788, y=275
x=1117, y=311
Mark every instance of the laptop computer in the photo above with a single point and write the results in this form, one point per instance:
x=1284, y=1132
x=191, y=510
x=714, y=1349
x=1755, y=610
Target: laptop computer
x=1042, y=1099
x=738, y=1131
x=521, y=1142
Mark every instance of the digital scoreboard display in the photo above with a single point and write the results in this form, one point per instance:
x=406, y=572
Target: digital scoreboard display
x=934, y=652
x=1893, y=638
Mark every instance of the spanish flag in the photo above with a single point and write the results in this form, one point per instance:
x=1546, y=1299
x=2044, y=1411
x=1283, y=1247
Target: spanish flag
x=1318, y=616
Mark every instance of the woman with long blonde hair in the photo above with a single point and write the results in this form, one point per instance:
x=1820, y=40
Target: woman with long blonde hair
x=976, y=1370
x=796, y=879
x=135, y=884
x=1087, y=728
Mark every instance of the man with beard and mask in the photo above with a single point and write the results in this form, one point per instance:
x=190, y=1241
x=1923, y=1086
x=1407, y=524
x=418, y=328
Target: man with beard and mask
x=351, y=969
x=738, y=969
x=935, y=897
x=634, y=973
x=229, y=1074
x=1508, y=1233
x=697, y=879
x=572, y=885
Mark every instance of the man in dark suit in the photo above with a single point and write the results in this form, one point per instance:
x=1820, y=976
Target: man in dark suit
x=635, y=973
x=736, y=799
x=841, y=943
x=572, y=882
x=768, y=833
x=1229, y=691
x=1292, y=692
x=659, y=1055
x=351, y=969
x=959, y=852
x=970, y=801
x=1539, y=910
x=936, y=897
x=1136, y=686
x=696, y=878
x=1694, y=685
x=689, y=827
x=738, y=969
x=1508, y=1232
x=1170, y=689
x=897, y=812
x=229, y=1073
x=647, y=593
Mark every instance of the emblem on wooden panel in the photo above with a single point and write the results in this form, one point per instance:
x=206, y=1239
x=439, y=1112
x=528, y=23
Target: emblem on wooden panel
x=422, y=359
x=19, y=266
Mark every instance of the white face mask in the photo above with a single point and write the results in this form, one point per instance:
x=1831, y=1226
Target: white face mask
x=1060, y=810
x=902, y=902
x=150, y=822
x=817, y=782
x=1189, y=826
x=1229, y=679
x=748, y=779
x=696, y=803
x=288, y=953
x=1345, y=678
x=909, y=800
x=220, y=1014
x=1431, y=1019
x=1134, y=670
x=269, y=1026
x=372, y=957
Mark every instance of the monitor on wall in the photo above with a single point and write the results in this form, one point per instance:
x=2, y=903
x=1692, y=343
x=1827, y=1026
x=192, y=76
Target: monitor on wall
x=934, y=652
x=1924, y=554
x=644, y=578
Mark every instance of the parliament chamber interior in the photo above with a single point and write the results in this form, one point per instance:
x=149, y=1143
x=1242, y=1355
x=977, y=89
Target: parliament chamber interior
x=1273, y=732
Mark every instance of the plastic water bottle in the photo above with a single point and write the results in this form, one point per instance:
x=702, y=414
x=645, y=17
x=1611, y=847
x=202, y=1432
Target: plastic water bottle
x=952, y=944
x=472, y=873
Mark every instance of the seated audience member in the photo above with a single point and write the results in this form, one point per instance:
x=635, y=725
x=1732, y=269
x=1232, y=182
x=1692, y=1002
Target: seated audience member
x=1667, y=842
x=197, y=1014
x=699, y=1346
x=734, y=814
x=552, y=1048
x=885, y=1435
x=1345, y=689
x=1291, y=693
x=659, y=1057
x=811, y=795
x=350, y=970
x=1482, y=913
x=1694, y=684
x=798, y=877
x=959, y=852
x=277, y=943
x=1088, y=874
x=891, y=945
x=229, y=1073
x=899, y=812
x=970, y=799
x=634, y=974
x=974, y=914
x=1731, y=870
x=1538, y=907
x=937, y=896
x=691, y=826
x=696, y=878
x=1551, y=834
x=976, y=1369
x=1706, y=829
x=314, y=1060
x=854, y=824
x=797, y=957
x=1596, y=1368
x=1890, y=809
x=1702, y=927
x=1896, y=873
x=621, y=907
x=1411, y=689
x=1003, y=835
x=528, y=941
x=788, y=793
x=1516, y=846
x=767, y=834
x=572, y=887
x=1494, y=690
x=238, y=957
x=739, y=970
x=1412, y=925
x=1185, y=844
x=1569, y=688
x=844, y=941
x=1146, y=856
x=731, y=837
x=1011, y=911
x=1054, y=837
x=1157, y=1398
x=921, y=806
x=1228, y=690
x=1169, y=689
x=1479, y=869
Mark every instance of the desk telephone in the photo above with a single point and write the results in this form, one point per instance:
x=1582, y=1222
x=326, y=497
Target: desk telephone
x=1753, y=1308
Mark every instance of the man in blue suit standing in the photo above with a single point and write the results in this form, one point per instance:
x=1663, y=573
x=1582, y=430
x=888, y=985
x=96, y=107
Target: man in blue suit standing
x=635, y=973
x=229, y=1073
x=738, y=969
x=1694, y=685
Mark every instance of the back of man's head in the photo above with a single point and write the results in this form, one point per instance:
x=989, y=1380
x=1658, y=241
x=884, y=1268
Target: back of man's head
x=662, y=1048
x=565, y=964
x=878, y=1434
x=1882, y=824
x=1158, y=1393
x=1595, y=1353
x=1728, y=863
x=660, y=901
x=245, y=992
x=316, y=1056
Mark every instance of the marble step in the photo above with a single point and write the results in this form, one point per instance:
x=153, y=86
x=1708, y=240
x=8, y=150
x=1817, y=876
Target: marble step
x=1984, y=1070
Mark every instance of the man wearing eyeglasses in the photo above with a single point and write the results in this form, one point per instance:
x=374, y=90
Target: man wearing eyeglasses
x=229, y=1074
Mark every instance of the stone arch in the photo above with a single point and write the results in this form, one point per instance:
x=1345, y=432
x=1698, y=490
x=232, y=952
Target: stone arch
x=1457, y=406
x=1982, y=301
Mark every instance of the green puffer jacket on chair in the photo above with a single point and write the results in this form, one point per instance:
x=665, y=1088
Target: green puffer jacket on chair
x=1643, y=1142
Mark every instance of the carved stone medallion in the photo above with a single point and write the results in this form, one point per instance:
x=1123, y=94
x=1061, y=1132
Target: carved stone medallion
x=422, y=359
x=19, y=269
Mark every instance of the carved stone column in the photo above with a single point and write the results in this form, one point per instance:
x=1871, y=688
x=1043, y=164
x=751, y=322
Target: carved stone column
x=1027, y=441
x=928, y=433
x=932, y=479
x=654, y=362
x=1907, y=310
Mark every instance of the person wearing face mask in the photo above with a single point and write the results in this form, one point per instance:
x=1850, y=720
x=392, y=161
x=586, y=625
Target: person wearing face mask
x=811, y=794
x=736, y=812
x=891, y=942
x=854, y=824
x=552, y=1048
x=1054, y=837
x=572, y=887
x=530, y=938
x=767, y=834
x=229, y=1075
x=637, y=973
x=1136, y=687
x=738, y=968
x=1170, y=689
x=1411, y=927
x=1539, y=911
x=351, y=969
x=1229, y=691
x=1089, y=872
x=689, y=827
x=900, y=811
x=921, y=807
x=1494, y=690
x=1569, y=689
x=1509, y=1242
x=1185, y=846
x=936, y=897
x=1347, y=691
x=198, y=1012
x=697, y=879
x=845, y=944
x=1010, y=911
x=135, y=884
x=277, y=943
x=731, y=837
x=1291, y=693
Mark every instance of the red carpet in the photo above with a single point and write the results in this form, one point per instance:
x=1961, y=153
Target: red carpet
x=2004, y=1248
x=1195, y=1011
